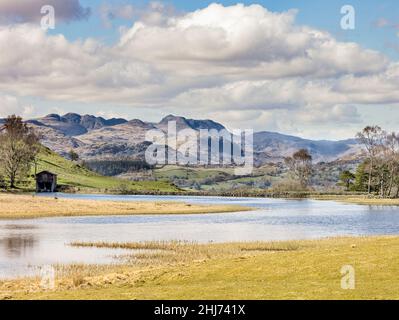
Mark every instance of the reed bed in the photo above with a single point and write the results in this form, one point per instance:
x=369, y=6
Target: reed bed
x=145, y=245
x=157, y=253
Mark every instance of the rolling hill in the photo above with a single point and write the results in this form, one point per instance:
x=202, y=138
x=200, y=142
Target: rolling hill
x=272, y=147
x=75, y=176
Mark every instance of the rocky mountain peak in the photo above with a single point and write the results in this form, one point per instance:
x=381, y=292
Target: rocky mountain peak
x=183, y=122
x=95, y=137
x=72, y=118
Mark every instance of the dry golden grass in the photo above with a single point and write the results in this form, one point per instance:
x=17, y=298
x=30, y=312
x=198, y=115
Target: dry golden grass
x=146, y=257
x=181, y=270
x=145, y=245
x=158, y=253
x=363, y=200
x=30, y=206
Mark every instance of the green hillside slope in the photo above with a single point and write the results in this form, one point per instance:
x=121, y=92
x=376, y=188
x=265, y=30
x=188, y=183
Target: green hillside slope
x=75, y=176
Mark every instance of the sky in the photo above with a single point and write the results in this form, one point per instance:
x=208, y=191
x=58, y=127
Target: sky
x=286, y=66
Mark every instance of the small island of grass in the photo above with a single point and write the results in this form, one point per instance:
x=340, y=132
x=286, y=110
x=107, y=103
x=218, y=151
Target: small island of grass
x=31, y=206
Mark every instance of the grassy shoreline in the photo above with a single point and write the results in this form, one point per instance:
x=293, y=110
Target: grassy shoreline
x=27, y=207
x=259, y=270
x=361, y=200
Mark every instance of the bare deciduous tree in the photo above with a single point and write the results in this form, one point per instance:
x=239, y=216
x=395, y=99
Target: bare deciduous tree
x=19, y=146
x=300, y=165
x=371, y=137
x=391, y=156
x=383, y=161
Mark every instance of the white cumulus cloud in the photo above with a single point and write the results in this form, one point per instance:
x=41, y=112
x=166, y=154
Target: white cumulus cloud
x=217, y=59
x=10, y=105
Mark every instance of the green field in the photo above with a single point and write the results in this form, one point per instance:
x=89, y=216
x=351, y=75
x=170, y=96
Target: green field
x=193, y=173
x=271, y=178
x=78, y=178
x=217, y=179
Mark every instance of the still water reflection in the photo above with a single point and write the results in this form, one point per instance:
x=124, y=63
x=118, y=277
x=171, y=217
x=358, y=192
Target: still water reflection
x=26, y=244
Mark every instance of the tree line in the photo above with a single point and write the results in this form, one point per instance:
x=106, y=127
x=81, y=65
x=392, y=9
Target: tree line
x=379, y=171
x=116, y=167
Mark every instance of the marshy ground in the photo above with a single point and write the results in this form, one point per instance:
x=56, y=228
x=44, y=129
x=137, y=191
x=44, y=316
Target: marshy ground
x=258, y=270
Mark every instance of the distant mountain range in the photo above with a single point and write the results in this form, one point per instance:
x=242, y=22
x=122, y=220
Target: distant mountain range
x=95, y=137
x=275, y=146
